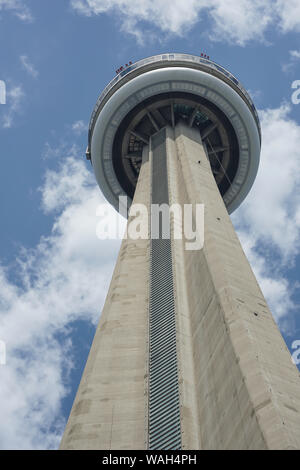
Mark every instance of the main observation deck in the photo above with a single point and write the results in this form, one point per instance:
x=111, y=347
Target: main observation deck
x=160, y=91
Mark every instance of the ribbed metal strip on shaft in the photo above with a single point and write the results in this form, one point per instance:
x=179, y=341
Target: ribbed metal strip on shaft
x=164, y=407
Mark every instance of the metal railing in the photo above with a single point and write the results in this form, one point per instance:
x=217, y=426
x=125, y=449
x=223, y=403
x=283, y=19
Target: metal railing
x=207, y=63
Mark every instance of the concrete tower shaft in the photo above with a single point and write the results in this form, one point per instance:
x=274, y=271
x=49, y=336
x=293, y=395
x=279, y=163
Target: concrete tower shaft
x=187, y=354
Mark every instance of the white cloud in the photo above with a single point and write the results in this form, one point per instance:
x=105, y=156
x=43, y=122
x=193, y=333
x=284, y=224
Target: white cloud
x=28, y=66
x=18, y=7
x=269, y=219
x=295, y=54
x=14, y=97
x=272, y=206
x=63, y=279
x=167, y=15
x=275, y=287
x=240, y=22
x=237, y=21
x=79, y=127
x=289, y=14
x=294, y=57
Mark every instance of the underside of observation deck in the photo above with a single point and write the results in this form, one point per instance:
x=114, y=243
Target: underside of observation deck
x=155, y=113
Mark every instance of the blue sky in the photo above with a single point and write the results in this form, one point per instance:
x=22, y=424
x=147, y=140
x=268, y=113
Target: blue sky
x=55, y=58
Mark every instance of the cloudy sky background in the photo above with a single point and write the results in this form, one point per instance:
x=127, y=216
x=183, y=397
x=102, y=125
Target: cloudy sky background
x=55, y=58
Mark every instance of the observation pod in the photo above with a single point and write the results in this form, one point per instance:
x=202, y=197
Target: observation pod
x=187, y=354
x=164, y=90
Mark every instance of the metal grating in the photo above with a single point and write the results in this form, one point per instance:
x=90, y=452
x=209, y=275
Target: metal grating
x=164, y=407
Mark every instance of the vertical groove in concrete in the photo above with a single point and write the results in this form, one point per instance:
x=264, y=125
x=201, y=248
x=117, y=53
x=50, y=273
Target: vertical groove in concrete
x=164, y=410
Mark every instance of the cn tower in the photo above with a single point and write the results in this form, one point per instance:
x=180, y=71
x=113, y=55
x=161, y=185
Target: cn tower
x=187, y=354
